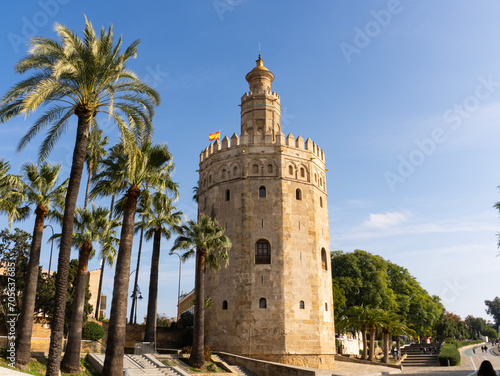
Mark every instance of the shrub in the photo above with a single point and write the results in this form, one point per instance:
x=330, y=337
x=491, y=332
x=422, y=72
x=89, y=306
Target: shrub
x=449, y=352
x=187, y=319
x=92, y=331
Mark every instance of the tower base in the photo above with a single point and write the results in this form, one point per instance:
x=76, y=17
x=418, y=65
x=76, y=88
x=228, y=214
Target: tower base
x=323, y=361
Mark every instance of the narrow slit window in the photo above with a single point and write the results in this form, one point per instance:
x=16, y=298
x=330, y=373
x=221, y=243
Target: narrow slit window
x=228, y=195
x=224, y=305
x=235, y=171
x=255, y=169
x=320, y=201
x=302, y=172
x=326, y=306
x=302, y=305
x=270, y=169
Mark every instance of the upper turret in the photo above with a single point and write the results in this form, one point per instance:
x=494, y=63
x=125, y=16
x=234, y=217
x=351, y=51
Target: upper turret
x=259, y=78
x=260, y=107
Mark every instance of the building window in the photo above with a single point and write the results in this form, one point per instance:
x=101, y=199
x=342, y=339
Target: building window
x=262, y=191
x=302, y=305
x=205, y=203
x=262, y=252
x=320, y=201
x=210, y=179
x=315, y=178
x=290, y=170
x=320, y=182
x=224, y=305
x=302, y=172
x=223, y=173
x=324, y=263
x=262, y=303
x=235, y=171
x=298, y=194
x=255, y=169
x=228, y=195
x=270, y=169
x=326, y=306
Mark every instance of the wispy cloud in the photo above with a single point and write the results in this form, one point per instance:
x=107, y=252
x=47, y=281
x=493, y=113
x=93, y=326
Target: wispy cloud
x=386, y=220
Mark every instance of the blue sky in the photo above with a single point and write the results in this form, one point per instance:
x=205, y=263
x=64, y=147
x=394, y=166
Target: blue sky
x=402, y=96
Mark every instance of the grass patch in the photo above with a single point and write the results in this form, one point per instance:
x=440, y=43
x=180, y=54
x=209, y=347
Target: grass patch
x=38, y=367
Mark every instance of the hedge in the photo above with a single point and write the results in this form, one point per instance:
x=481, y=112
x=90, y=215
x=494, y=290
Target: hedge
x=449, y=352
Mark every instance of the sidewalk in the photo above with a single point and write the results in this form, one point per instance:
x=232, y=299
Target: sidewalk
x=10, y=372
x=355, y=369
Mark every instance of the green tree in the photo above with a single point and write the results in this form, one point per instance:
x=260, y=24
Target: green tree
x=14, y=252
x=159, y=217
x=493, y=308
x=204, y=239
x=41, y=191
x=363, y=278
x=89, y=226
x=82, y=77
x=339, y=301
x=148, y=166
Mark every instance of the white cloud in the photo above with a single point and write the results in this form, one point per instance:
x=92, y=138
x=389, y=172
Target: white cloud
x=388, y=219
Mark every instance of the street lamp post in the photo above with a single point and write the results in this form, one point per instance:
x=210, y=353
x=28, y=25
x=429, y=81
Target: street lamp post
x=51, y=245
x=179, y=290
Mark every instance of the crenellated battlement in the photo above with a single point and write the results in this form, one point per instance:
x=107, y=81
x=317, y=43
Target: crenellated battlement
x=268, y=139
x=252, y=93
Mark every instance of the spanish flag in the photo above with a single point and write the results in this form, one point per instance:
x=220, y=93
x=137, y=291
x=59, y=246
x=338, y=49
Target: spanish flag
x=214, y=136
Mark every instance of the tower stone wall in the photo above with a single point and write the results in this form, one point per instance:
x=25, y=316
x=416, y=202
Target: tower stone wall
x=265, y=188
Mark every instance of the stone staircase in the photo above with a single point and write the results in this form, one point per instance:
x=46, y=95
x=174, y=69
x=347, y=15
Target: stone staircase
x=415, y=359
x=139, y=365
x=240, y=370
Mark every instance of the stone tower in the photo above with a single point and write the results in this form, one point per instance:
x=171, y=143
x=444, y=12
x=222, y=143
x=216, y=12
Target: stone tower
x=274, y=300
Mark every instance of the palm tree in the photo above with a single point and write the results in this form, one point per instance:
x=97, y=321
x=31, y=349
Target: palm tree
x=388, y=321
x=205, y=239
x=90, y=227
x=41, y=190
x=159, y=216
x=82, y=77
x=95, y=154
x=372, y=317
x=112, y=185
x=357, y=318
x=147, y=166
x=11, y=194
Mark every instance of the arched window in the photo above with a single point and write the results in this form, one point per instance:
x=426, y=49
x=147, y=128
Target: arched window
x=324, y=263
x=320, y=201
x=224, y=305
x=209, y=179
x=262, y=303
x=315, y=178
x=320, y=182
x=326, y=306
x=290, y=170
x=255, y=169
x=270, y=169
x=235, y=171
x=223, y=173
x=228, y=195
x=298, y=194
x=262, y=191
x=302, y=172
x=302, y=305
x=262, y=252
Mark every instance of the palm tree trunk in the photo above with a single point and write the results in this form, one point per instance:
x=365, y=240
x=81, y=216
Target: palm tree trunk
x=71, y=359
x=98, y=303
x=197, y=358
x=372, y=343
x=88, y=187
x=113, y=363
x=57, y=332
x=25, y=324
x=136, y=281
x=364, y=355
x=398, y=346
x=150, y=334
x=386, y=346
